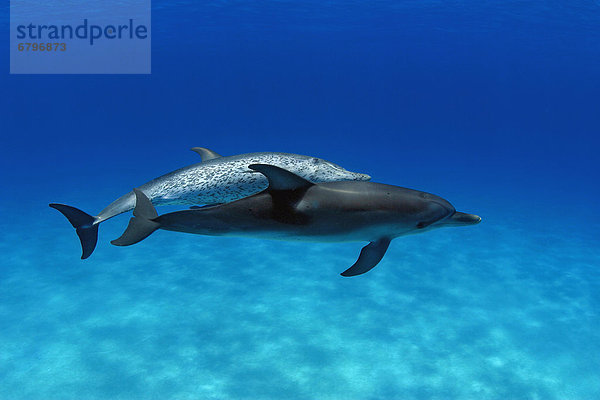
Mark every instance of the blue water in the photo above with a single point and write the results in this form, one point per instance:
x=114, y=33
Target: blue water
x=492, y=105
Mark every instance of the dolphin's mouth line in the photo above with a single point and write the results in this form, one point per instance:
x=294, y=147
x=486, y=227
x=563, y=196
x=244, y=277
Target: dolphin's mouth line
x=445, y=207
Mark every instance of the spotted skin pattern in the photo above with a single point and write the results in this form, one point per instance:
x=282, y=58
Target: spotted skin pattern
x=226, y=179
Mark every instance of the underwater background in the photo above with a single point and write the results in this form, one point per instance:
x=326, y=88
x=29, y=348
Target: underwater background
x=493, y=105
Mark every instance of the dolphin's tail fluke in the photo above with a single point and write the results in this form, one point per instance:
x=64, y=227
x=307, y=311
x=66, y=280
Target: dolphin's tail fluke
x=84, y=226
x=142, y=224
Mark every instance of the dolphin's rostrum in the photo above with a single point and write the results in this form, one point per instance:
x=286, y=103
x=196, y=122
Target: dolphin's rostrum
x=293, y=208
x=215, y=180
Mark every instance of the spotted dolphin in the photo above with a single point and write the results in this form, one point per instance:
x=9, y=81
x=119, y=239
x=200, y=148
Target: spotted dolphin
x=215, y=180
x=293, y=208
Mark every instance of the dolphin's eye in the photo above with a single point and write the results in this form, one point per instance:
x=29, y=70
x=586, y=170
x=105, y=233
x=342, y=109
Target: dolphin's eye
x=420, y=225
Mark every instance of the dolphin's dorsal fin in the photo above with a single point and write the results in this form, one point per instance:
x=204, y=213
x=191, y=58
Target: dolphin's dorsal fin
x=369, y=257
x=142, y=224
x=286, y=189
x=281, y=179
x=205, y=153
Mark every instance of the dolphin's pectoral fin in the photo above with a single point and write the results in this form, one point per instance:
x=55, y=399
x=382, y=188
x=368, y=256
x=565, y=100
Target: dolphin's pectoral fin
x=205, y=153
x=369, y=257
x=281, y=179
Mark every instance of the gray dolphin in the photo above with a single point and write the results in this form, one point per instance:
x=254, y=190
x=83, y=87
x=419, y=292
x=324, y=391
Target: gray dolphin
x=215, y=180
x=292, y=208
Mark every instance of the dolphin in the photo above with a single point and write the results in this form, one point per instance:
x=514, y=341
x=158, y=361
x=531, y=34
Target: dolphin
x=293, y=208
x=215, y=180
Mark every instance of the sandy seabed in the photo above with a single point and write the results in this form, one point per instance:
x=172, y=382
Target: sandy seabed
x=489, y=312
